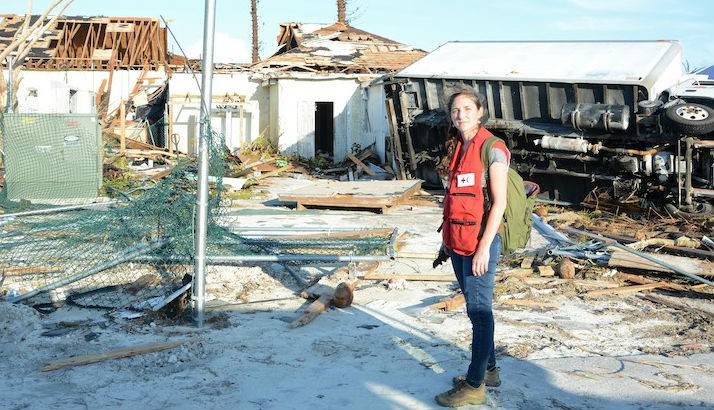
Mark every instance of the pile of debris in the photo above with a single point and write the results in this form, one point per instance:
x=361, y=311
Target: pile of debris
x=361, y=164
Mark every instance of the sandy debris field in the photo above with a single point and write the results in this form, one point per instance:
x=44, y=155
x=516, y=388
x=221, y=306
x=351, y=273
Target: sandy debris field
x=389, y=350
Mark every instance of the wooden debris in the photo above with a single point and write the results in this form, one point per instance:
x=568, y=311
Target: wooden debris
x=640, y=245
x=679, y=306
x=546, y=271
x=414, y=255
x=378, y=195
x=314, y=310
x=621, y=259
x=113, y=354
x=527, y=303
x=624, y=290
x=30, y=270
x=344, y=294
x=520, y=273
x=566, y=269
x=340, y=297
x=640, y=280
x=527, y=262
x=449, y=303
x=277, y=172
x=361, y=164
x=411, y=277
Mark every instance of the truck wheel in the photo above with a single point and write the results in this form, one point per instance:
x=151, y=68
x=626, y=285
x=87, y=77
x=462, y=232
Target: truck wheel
x=691, y=119
x=697, y=210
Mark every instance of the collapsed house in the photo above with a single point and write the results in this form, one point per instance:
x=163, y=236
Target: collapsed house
x=314, y=95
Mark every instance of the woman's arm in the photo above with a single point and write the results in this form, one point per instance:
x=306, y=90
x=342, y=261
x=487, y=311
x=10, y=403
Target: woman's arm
x=498, y=183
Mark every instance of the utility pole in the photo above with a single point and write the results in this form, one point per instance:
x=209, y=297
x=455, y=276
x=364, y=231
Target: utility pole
x=201, y=223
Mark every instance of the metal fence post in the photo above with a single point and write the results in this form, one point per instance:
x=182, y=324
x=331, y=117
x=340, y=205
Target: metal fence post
x=10, y=85
x=201, y=225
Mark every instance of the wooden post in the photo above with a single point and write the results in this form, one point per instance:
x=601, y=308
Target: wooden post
x=396, y=142
x=407, y=133
x=122, y=125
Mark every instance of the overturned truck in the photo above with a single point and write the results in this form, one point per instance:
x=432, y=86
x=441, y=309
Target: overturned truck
x=575, y=115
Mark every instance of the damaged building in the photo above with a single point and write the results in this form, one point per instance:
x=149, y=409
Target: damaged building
x=315, y=94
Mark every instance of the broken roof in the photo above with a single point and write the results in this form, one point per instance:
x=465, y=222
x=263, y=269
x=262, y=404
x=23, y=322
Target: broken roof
x=337, y=48
x=78, y=42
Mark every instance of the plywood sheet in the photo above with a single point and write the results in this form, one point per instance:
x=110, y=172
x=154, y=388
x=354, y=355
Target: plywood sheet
x=356, y=194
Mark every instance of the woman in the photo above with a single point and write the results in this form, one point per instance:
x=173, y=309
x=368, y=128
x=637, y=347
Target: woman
x=473, y=210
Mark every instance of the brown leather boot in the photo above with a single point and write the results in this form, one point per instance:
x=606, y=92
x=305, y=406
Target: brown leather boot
x=462, y=395
x=491, y=379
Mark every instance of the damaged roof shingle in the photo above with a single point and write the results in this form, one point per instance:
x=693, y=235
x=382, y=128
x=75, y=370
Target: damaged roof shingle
x=337, y=48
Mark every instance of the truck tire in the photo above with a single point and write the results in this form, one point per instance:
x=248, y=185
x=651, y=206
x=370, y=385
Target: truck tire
x=697, y=211
x=691, y=119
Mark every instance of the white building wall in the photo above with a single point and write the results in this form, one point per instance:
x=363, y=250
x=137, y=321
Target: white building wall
x=355, y=121
x=72, y=91
x=224, y=119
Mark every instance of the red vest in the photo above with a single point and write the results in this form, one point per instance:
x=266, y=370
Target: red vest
x=464, y=201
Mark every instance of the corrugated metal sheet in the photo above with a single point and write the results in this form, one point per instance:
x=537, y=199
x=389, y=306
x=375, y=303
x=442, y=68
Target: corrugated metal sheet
x=605, y=62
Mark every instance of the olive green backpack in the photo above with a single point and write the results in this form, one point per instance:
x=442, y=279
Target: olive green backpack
x=516, y=226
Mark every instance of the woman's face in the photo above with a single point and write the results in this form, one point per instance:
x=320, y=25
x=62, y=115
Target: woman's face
x=465, y=115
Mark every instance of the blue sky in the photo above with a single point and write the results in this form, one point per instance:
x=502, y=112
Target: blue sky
x=427, y=23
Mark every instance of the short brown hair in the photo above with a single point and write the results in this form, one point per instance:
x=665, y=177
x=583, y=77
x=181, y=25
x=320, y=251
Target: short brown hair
x=467, y=91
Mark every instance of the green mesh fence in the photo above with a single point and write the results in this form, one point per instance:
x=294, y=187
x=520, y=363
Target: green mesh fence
x=133, y=253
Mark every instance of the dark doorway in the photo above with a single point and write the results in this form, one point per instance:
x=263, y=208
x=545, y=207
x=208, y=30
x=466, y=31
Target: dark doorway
x=324, y=129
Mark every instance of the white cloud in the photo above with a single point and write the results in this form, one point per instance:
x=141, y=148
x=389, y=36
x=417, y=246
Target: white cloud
x=227, y=49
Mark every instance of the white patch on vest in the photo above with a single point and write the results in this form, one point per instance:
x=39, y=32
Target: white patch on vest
x=464, y=180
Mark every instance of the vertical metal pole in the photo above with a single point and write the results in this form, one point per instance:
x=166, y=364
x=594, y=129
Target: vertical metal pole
x=688, y=177
x=199, y=267
x=10, y=85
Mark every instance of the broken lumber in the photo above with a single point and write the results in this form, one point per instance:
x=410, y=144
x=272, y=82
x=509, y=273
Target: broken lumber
x=274, y=173
x=650, y=258
x=624, y=290
x=546, y=271
x=361, y=164
x=414, y=255
x=644, y=281
x=110, y=355
x=30, y=270
x=527, y=303
x=678, y=306
x=320, y=305
x=411, y=277
x=449, y=303
x=341, y=297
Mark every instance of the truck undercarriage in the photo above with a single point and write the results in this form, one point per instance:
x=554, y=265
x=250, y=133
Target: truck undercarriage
x=563, y=138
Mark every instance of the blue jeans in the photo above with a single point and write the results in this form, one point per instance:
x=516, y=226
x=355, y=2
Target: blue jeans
x=478, y=292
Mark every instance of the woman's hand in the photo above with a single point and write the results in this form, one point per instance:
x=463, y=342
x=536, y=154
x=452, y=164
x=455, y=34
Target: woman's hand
x=479, y=266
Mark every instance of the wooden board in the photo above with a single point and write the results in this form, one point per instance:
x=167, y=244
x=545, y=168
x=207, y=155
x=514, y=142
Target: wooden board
x=356, y=194
x=114, y=354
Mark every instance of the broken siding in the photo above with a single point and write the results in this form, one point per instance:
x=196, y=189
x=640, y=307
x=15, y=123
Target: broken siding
x=72, y=91
x=231, y=92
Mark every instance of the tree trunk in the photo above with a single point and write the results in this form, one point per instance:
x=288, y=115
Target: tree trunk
x=254, y=18
x=341, y=11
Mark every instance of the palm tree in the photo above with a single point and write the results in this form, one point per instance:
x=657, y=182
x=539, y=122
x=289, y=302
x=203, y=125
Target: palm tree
x=254, y=18
x=342, y=11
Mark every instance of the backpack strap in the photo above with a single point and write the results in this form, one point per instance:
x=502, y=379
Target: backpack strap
x=486, y=154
